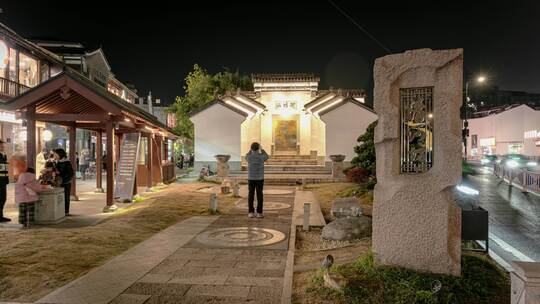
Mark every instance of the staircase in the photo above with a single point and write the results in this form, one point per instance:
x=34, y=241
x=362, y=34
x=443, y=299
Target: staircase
x=287, y=170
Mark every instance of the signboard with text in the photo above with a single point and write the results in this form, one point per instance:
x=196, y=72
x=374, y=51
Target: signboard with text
x=127, y=167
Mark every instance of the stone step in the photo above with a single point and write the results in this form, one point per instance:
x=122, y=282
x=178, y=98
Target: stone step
x=290, y=157
x=286, y=162
x=289, y=180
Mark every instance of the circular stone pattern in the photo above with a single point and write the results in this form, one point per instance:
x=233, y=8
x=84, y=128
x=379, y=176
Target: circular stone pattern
x=267, y=205
x=240, y=237
x=277, y=191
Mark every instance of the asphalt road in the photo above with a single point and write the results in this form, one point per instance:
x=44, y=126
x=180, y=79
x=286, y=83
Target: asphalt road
x=514, y=217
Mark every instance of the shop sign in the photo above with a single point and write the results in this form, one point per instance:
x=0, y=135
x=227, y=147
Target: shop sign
x=486, y=142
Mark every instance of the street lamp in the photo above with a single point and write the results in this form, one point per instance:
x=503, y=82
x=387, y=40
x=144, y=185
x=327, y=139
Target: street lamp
x=480, y=80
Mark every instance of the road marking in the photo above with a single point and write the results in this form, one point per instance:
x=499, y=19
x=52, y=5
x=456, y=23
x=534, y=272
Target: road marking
x=504, y=245
x=497, y=258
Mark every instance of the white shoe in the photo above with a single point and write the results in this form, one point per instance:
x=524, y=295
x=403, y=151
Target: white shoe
x=260, y=215
x=251, y=215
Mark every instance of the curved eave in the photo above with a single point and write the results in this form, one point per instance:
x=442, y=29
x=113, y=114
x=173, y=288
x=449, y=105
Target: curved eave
x=343, y=102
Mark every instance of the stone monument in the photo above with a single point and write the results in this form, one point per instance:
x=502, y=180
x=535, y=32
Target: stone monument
x=416, y=222
x=222, y=165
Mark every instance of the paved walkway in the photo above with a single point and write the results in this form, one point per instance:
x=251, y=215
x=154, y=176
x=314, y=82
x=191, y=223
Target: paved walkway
x=225, y=259
x=88, y=210
x=514, y=217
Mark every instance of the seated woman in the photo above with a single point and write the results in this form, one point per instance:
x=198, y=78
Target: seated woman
x=26, y=189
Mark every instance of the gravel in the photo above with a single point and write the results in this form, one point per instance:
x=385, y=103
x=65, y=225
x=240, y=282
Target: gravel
x=312, y=241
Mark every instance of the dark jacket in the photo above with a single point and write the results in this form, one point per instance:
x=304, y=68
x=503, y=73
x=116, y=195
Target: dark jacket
x=65, y=170
x=4, y=177
x=256, y=164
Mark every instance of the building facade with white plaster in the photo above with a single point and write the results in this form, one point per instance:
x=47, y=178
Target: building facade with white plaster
x=288, y=115
x=515, y=129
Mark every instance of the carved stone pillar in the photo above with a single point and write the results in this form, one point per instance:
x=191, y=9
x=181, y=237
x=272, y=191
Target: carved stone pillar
x=416, y=221
x=337, y=165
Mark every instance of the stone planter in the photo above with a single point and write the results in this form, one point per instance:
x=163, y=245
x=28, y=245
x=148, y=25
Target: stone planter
x=337, y=165
x=222, y=165
x=51, y=208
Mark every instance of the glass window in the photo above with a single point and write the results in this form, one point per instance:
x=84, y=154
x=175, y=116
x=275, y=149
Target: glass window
x=143, y=145
x=13, y=64
x=28, y=70
x=44, y=71
x=4, y=59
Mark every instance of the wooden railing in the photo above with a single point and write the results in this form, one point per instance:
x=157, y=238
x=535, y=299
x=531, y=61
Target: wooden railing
x=528, y=180
x=12, y=88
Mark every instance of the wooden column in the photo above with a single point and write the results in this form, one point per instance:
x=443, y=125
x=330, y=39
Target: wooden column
x=149, y=165
x=159, y=161
x=39, y=145
x=72, y=130
x=31, y=136
x=99, y=163
x=117, y=145
x=110, y=169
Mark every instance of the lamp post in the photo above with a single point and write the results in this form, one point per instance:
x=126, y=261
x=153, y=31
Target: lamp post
x=480, y=79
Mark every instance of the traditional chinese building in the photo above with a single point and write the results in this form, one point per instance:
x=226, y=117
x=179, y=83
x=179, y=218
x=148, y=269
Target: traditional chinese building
x=288, y=115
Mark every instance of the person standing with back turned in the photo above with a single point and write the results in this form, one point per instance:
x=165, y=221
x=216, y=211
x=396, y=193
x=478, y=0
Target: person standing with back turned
x=255, y=159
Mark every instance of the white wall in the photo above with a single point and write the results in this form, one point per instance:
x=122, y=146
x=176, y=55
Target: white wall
x=507, y=128
x=217, y=131
x=343, y=126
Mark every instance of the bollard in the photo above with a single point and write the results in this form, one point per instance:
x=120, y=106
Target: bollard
x=236, y=188
x=307, y=207
x=213, y=202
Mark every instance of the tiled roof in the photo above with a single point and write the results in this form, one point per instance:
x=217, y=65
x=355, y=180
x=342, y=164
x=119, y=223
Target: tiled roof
x=293, y=77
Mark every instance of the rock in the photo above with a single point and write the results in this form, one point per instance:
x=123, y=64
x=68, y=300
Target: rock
x=346, y=206
x=347, y=228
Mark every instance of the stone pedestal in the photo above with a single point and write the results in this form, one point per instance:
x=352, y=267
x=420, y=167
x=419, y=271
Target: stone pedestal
x=222, y=166
x=337, y=165
x=51, y=208
x=525, y=283
x=416, y=222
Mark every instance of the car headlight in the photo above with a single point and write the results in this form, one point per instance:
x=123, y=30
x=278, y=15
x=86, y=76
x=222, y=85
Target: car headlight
x=512, y=163
x=485, y=161
x=532, y=164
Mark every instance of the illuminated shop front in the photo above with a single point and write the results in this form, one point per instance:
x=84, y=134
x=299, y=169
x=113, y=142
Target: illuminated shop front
x=515, y=130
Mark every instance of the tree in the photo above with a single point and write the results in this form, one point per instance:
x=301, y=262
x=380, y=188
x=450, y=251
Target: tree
x=201, y=89
x=365, y=150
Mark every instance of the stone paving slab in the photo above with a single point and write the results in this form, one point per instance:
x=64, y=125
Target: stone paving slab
x=104, y=283
x=222, y=274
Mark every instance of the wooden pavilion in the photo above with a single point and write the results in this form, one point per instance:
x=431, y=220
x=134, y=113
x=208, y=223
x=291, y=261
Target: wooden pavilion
x=74, y=101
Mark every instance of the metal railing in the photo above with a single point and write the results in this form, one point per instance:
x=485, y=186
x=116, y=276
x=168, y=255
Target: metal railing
x=528, y=180
x=12, y=88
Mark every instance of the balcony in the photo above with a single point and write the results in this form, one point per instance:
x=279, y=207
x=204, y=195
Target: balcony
x=11, y=88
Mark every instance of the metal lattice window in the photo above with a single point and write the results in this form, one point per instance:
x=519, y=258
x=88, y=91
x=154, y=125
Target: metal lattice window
x=416, y=110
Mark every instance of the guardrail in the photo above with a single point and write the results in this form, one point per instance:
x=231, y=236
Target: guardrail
x=528, y=180
x=12, y=88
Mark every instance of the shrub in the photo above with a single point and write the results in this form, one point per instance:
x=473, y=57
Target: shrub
x=357, y=175
x=365, y=150
x=481, y=281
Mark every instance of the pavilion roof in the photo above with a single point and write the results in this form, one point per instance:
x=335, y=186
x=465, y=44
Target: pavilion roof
x=279, y=78
x=71, y=92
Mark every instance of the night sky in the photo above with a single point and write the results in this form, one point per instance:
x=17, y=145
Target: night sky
x=155, y=45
